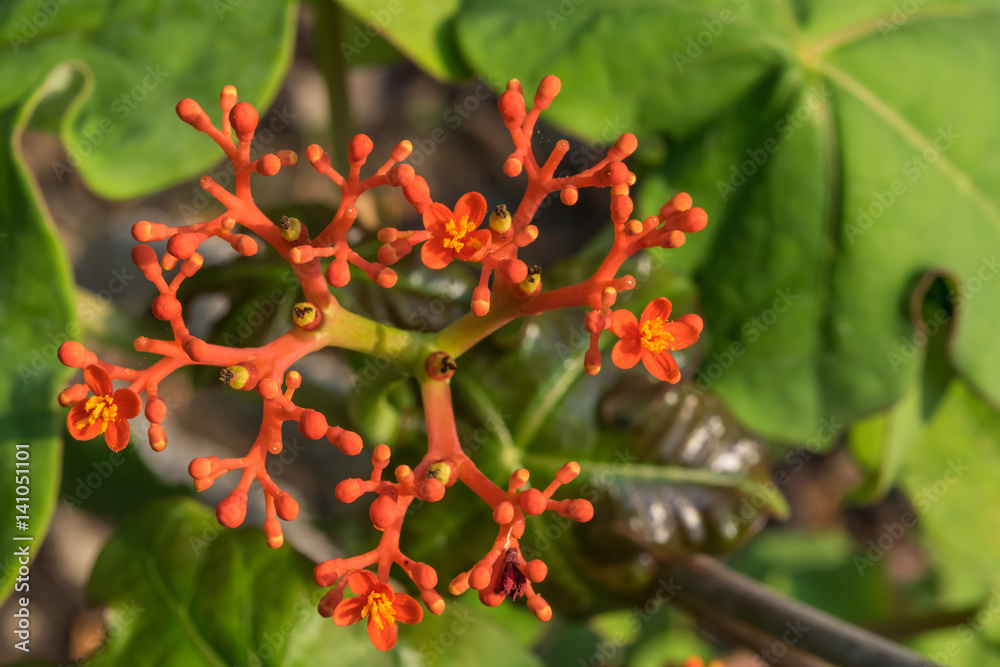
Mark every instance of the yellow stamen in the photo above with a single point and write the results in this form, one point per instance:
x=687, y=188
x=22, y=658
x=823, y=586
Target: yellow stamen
x=457, y=231
x=99, y=407
x=654, y=338
x=380, y=607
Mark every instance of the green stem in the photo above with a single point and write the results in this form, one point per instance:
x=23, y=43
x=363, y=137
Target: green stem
x=344, y=329
x=660, y=473
x=331, y=62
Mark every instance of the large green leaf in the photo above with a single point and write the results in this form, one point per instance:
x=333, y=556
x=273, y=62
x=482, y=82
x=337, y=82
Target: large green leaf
x=37, y=316
x=421, y=29
x=182, y=590
x=841, y=150
x=138, y=59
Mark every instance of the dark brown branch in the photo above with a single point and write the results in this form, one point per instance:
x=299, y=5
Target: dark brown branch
x=707, y=587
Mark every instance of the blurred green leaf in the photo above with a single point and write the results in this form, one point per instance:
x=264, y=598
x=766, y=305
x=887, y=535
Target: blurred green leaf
x=421, y=29
x=37, y=314
x=96, y=479
x=138, y=60
x=950, y=477
x=828, y=141
x=880, y=443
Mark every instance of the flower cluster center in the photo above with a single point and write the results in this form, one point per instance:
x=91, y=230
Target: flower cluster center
x=380, y=607
x=99, y=407
x=654, y=337
x=457, y=231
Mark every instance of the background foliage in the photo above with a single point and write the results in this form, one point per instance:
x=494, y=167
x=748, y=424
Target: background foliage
x=845, y=153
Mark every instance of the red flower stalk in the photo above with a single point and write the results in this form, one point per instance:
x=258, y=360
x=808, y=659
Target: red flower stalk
x=105, y=413
x=381, y=605
x=652, y=338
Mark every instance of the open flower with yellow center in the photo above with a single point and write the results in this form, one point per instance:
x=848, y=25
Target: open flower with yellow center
x=652, y=338
x=105, y=413
x=455, y=234
x=382, y=606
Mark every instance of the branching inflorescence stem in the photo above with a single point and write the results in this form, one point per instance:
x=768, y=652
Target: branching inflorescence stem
x=507, y=289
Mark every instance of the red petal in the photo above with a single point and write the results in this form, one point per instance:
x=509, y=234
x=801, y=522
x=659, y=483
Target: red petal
x=624, y=325
x=98, y=379
x=127, y=402
x=477, y=244
x=659, y=307
x=117, y=435
x=383, y=638
x=473, y=205
x=79, y=413
x=684, y=334
x=661, y=366
x=349, y=611
x=435, y=255
x=693, y=320
x=626, y=353
x=407, y=609
x=436, y=216
x=361, y=582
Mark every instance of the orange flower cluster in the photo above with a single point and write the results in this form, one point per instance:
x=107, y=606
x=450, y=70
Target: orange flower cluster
x=506, y=289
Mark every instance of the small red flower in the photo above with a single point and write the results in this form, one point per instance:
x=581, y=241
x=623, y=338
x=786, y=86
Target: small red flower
x=381, y=605
x=104, y=412
x=455, y=235
x=652, y=338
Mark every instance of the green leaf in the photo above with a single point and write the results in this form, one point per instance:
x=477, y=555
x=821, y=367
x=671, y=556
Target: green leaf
x=950, y=477
x=138, y=59
x=423, y=30
x=96, y=479
x=37, y=315
x=841, y=150
x=881, y=442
